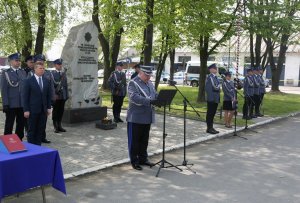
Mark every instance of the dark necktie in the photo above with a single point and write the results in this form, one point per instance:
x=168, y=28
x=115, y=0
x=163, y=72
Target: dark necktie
x=41, y=83
x=17, y=72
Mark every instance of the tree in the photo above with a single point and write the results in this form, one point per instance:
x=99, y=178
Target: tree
x=110, y=32
x=209, y=24
x=148, y=33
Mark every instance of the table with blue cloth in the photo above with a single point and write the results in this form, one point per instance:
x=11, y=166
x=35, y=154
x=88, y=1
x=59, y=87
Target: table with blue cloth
x=37, y=166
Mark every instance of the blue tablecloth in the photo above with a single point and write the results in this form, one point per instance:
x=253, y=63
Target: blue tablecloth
x=35, y=167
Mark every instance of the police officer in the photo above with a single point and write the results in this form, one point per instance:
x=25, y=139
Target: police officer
x=140, y=115
x=256, y=96
x=29, y=65
x=40, y=59
x=212, y=89
x=137, y=70
x=59, y=80
x=229, y=99
x=262, y=90
x=117, y=83
x=248, y=94
x=11, y=88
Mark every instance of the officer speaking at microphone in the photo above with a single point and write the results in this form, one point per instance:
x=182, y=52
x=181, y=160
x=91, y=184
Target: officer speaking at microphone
x=11, y=89
x=141, y=113
x=60, y=82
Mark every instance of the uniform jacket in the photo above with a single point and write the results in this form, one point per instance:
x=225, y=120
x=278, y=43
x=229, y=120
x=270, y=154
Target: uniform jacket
x=139, y=95
x=256, y=84
x=60, y=84
x=248, y=86
x=262, y=86
x=34, y=100
x=11, y=87
x=229, y=90
x=212, y=89
x=117, y=83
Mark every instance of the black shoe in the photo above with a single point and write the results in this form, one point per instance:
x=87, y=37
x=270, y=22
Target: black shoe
x=137, y=167
x=120, y=120
x=253, y=116
x=259, y=115
x=60, y=128
x=147, y=163
x=56, y=130
x=116, y=120
x=211, y=131
x=46, y=141
x=215, y=130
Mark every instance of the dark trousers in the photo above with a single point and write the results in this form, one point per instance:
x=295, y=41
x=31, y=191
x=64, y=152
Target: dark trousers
x=257, y=103
x=210, y=114
x=247, y=106
x=117, y=106
x=58, y=110
x=252, y=105
x=138, y=137
x=36, y=128
x=13, y=114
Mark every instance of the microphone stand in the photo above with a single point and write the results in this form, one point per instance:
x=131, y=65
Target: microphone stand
x=185, y=102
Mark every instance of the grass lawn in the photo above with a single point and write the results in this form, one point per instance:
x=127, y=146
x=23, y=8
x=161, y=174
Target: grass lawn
x=273, y=104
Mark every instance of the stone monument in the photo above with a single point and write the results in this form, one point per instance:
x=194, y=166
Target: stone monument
x=80, y=61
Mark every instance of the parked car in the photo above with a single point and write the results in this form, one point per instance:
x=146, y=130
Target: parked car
x=101, y=73
x=179, y=78
x=163, y=78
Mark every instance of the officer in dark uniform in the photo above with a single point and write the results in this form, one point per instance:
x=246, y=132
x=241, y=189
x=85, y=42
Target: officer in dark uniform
x=262, y=90
x=141, y=113
x=11, y=89
x=248, y=94
x=212, y=89
x=59, y=80
x=137, y=70
x=40, y=59
x=29, y=65
x=256, y=96
x=117, y=83
x=229, y=99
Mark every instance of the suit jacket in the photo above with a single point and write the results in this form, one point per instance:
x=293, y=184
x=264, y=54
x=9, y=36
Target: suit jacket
x=139, y=95
x=212, y=89
x=34, y=100
x=11, y=87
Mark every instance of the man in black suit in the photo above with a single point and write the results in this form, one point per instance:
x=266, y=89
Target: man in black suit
x=36, y=98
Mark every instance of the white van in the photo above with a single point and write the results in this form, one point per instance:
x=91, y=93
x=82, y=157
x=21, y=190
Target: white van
x=192, y=70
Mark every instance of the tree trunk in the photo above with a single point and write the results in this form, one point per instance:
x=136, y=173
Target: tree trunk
x=275, y=80
x=162, y=59
x=110, y=55
x=258, y=50
x=27, y=33
x=40, y=37
x=203, y=49
x=251, y=50
x=172, y=63
x=149, y=32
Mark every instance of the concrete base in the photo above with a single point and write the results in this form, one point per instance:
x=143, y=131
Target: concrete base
x=84, y=114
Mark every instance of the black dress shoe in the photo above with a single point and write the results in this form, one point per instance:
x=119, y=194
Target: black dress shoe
x=259, y=115
x=120, y=120
x=116, y=120
x=56, y=130
x=253, y=116
x=137, y=167
x=62, y=130
x=211, y=131
x=215, y=130
x=46, y=141
x=147, y=163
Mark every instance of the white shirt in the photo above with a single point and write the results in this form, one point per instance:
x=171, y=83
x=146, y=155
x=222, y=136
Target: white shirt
x=37, y=79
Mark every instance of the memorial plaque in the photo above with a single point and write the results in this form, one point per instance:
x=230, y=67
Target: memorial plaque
x=80, y=58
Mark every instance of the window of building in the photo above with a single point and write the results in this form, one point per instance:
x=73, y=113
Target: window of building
x=184, y=58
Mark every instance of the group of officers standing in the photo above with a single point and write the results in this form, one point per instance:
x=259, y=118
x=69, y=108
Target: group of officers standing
x=29, y=94
x=254, y=91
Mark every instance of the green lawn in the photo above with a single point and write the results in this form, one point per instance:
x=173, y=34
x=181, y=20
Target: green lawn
x=273, y=105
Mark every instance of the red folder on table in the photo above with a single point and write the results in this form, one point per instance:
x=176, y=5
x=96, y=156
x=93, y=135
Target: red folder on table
x=11, y=144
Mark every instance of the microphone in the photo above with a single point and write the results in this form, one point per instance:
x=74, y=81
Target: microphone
x=172, y=82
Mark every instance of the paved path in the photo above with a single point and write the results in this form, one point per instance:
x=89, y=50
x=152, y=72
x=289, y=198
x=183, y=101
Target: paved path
x=263, y=169
x=85, y=148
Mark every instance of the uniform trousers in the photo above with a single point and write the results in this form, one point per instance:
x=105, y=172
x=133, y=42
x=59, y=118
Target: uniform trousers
x=36, y=127
x=13, y=114
x=247, y=106
x=210, y=114
x=257, y=103
x=138, y=137
x=58, y=110
x=252, y=105
x=117, y=106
